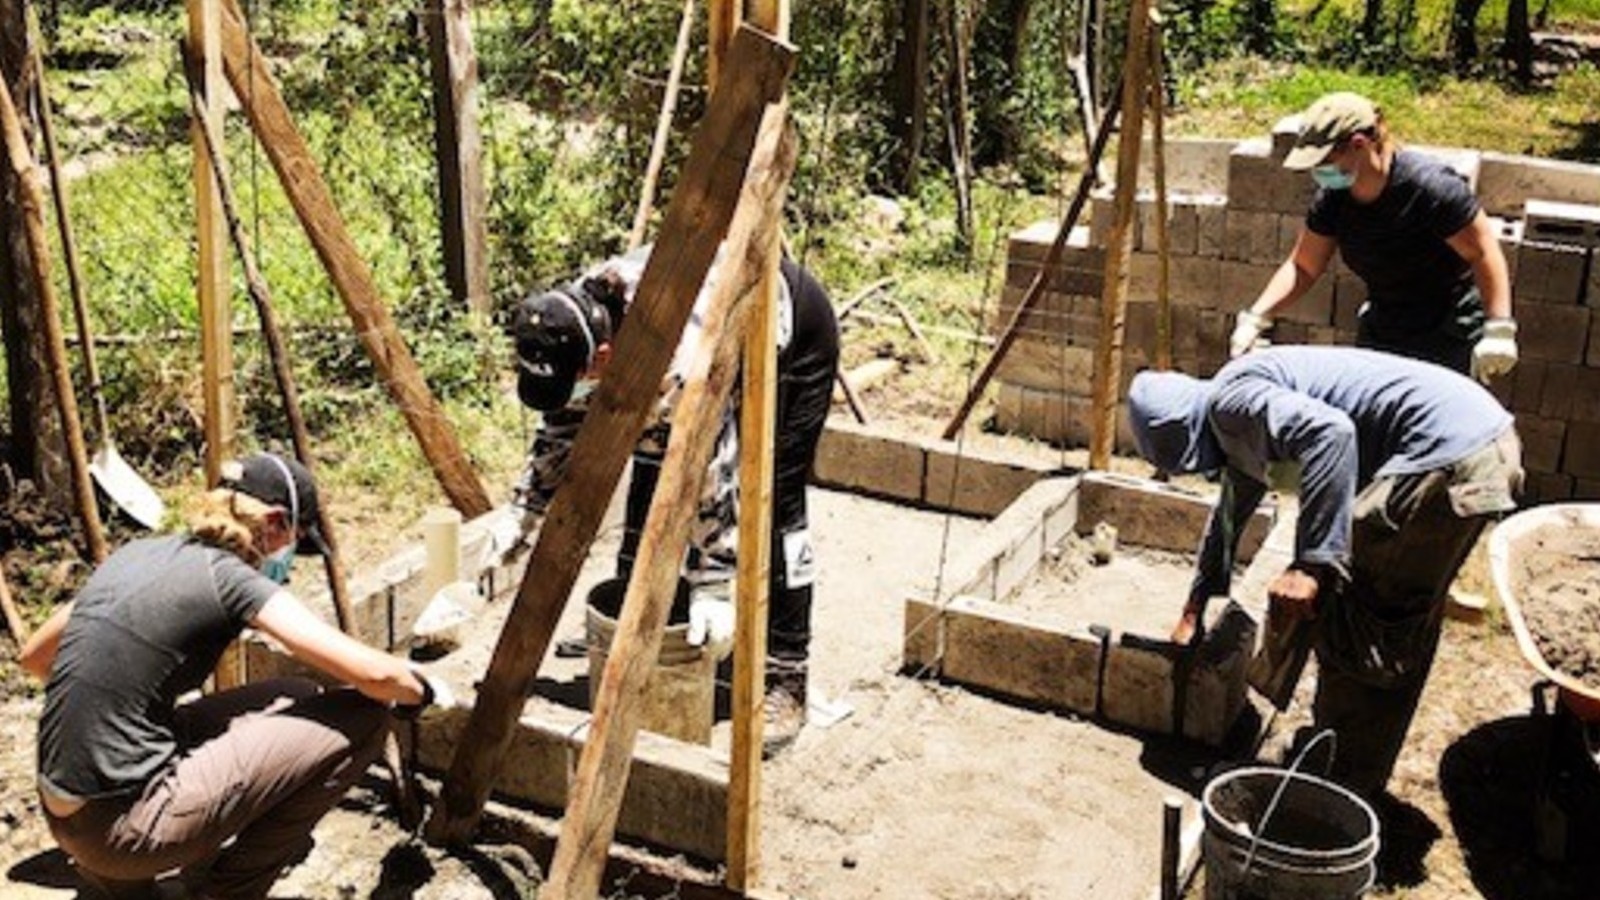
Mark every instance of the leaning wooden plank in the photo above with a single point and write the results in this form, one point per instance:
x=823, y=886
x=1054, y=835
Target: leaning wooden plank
x=31, y=198
x=253, y=83
x=695, y=222
x=602, y=774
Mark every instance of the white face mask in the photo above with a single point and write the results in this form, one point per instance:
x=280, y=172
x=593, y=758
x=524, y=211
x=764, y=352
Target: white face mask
x=584, y=388
x=278, y=566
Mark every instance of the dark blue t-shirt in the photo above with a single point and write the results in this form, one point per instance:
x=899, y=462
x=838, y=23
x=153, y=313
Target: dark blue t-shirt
x=147, y=627
x=1417, y=285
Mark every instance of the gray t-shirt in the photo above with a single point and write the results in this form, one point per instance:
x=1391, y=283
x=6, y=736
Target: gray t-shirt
x=147, y=627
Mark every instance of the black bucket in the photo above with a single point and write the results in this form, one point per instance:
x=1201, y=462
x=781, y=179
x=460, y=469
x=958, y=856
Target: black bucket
x=1317, y=840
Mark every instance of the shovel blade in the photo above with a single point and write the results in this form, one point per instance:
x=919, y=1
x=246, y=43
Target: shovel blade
x=132, y=494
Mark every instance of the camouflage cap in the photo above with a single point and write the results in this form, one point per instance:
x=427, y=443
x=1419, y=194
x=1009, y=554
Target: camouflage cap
x=1331, y=119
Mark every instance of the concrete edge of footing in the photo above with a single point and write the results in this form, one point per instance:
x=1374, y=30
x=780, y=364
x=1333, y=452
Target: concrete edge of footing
x=923, y=472
x=1131, y=681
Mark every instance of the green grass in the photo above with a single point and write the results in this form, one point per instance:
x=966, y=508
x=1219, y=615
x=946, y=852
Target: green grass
x=1244, y=97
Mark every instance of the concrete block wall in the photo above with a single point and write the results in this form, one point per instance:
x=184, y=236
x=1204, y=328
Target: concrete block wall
x=1233, y=214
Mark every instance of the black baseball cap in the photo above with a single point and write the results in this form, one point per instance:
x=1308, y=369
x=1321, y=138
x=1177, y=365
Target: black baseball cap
x=284, y=483
x=556, y=335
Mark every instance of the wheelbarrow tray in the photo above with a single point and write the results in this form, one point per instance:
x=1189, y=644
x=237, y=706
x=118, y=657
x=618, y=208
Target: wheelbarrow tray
x=1582, y=699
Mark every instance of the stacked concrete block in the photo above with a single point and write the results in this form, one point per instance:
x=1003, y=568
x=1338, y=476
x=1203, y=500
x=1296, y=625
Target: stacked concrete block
x=1506, y=182
x=1555, y=390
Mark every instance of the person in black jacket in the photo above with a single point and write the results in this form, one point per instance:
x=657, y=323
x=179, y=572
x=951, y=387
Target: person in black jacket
x=564, y=339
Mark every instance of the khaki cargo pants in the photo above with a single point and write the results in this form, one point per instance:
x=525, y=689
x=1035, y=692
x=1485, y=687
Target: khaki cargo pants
x=257, y=767
x=1376, y=640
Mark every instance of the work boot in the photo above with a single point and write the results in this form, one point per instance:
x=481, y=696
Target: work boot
x=783, y=709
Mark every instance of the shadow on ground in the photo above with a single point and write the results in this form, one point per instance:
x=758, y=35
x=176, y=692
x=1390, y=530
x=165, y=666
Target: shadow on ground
x=1525, y=804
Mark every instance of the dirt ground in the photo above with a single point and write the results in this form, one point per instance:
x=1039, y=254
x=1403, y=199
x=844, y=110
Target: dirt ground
x=931, y=790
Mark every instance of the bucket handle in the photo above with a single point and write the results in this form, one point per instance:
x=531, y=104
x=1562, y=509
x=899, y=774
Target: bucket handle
x=1283, y=785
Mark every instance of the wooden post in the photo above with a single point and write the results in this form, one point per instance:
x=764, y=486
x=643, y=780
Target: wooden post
x=30, y=197
x=257, y=89
x=658, y=146
x=261, y=296
x=14, y=620
x=1171, y=840
x=211, y=283
x=459, y=150
x=595, y=799
x=722, y=21
x=1158, y=155
x=758, y=416
x=1051, y=260
x=1119, y=241
x=696, y=220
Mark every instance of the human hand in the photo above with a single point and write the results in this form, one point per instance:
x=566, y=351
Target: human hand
x=1247, y=330
x=510, y=539
x=711, y=620
x=1495, y=354
x=1188, y=627
x=1293, y=594
x=435, y=692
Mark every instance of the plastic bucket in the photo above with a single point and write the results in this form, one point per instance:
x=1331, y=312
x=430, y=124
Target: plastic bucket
x=1319, y=841
x=679, y=696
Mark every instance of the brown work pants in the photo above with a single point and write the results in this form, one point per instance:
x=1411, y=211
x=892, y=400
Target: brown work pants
x=257, y=767
x=1376, y=640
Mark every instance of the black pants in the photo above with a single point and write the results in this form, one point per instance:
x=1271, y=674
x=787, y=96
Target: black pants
x=805, y=390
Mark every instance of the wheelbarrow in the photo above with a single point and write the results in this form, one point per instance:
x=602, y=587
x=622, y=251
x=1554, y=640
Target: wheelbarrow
x=1575, y=718
x=1505, y=546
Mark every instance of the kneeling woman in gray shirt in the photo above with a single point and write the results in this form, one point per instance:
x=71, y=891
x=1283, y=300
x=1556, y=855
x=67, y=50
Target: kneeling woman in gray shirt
x=227, y=787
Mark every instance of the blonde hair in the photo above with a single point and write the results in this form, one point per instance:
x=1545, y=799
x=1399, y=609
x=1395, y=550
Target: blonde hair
x=230, y=520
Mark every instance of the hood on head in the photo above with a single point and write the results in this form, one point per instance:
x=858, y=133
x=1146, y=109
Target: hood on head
x=1168, y=413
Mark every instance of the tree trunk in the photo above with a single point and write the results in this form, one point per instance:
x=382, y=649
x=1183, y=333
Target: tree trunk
x=997, y=69
x=1464, y=33
x=37, y=450
x=1519, y=41
x=1371, y=21
x=908, y=91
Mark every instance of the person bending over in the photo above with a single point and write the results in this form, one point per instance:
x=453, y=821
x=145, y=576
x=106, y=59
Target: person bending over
x=1403, y=462
x=564, y=339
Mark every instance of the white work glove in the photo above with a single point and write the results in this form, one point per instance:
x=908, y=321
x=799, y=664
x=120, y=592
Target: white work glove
x=711, y=620
x=509, y=539
x=1247, y=331
x=1495, y=354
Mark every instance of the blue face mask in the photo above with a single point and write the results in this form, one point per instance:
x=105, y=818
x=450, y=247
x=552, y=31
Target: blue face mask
x=1332, y=178
x=278, y=566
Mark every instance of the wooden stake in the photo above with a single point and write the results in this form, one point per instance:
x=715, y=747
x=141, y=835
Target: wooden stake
x=658, y=146
x=257, y=89
x=14, y=620
x=261, y=296
x=1051, y=260
x=696, y=220
x=852, y=397
x=459, y=150
x=31, y=198
x=1119, y=241
x=1171, y=821
x=1158, y=115
x=213, y=292
x=602, y=776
